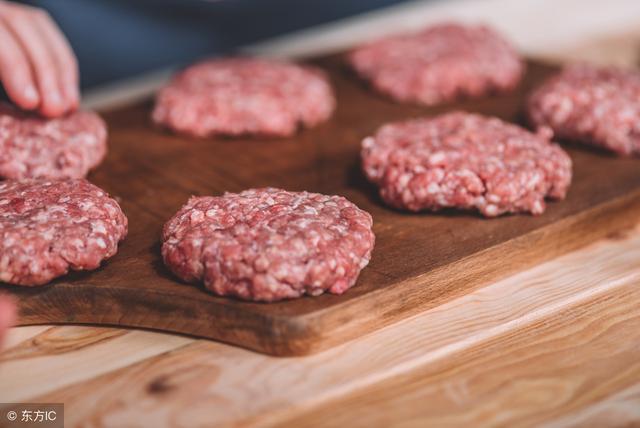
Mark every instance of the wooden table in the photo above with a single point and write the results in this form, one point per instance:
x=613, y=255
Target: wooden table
x=557, y=345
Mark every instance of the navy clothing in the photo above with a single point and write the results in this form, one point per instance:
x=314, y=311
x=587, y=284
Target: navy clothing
x=115, y=39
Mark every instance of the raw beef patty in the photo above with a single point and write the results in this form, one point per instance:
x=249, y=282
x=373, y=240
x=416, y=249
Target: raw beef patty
x=439, y=64
x=466, y=161
x=35, y=147
x=593, y=105
x=240, y=96
x=50, y=226
x=269, y=244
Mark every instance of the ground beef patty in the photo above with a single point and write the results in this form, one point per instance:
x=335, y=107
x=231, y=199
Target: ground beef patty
x=238, y=96
x=50, y=226
x=466, y=161
x=439, y=64
x=594, y=105
x=35, y=147
x=269, y=244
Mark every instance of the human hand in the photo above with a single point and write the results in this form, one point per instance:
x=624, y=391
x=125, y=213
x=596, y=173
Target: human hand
x=38, y=69
x=7, y=316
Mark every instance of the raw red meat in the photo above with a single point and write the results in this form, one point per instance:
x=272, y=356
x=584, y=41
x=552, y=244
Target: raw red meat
x=269, y=244
x=466, y=161
x=240, y=96
x=439, y=64
x=35, y=147
x=599, y=106
x=50, y=226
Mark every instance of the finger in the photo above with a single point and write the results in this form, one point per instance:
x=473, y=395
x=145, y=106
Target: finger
x=42, y=63
x=64, y=58
x=7, y=315
x=15, y=72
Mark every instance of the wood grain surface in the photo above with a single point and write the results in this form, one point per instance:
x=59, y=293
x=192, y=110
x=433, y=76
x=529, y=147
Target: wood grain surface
x=548, y=336
x=420, y=260
x=545, y=370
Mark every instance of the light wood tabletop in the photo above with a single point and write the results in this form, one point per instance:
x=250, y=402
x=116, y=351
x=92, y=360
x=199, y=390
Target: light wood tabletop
x=556, y=345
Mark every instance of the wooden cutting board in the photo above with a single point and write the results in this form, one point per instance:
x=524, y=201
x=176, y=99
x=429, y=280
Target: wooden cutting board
x=420, y=260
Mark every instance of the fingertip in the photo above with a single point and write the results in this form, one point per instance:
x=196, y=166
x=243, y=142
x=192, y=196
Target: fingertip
x=7, y=311
x=73, y=97
x=53, y=105
x=8, y=315
x=24, y=96
x=30, y=97
x=50, y=112
x=25, y=104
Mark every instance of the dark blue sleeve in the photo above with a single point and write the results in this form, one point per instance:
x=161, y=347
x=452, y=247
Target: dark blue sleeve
x=115, y=39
